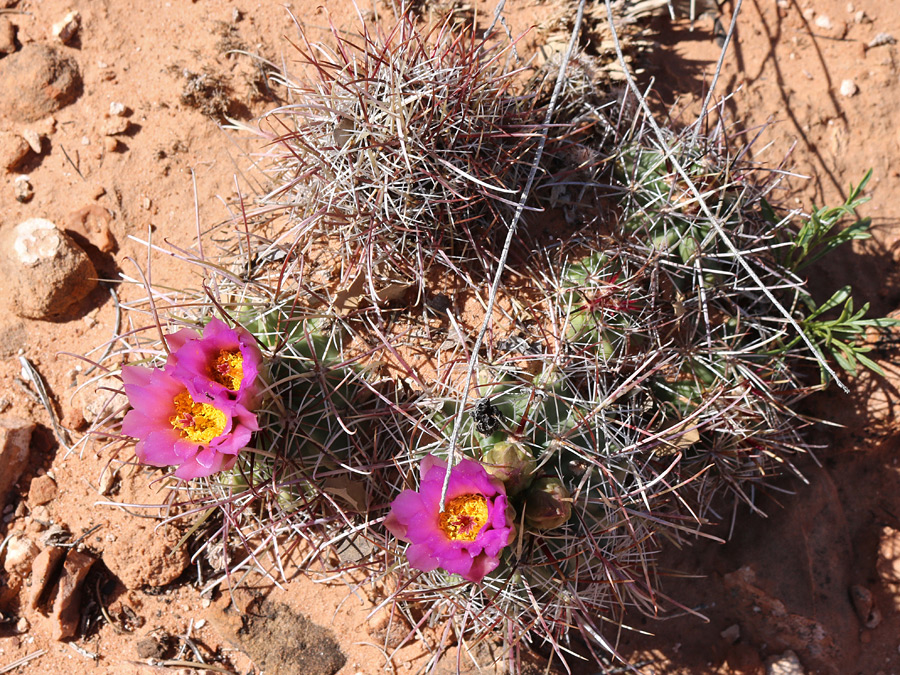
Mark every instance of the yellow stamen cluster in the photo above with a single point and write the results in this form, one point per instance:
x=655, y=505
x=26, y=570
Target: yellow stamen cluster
x=228, y=369
x=464, y=517
x=198, y=422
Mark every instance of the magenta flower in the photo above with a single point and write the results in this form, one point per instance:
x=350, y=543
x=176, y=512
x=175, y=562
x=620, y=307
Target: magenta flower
x=466, y=538
x=223, y=362
x=200, y=434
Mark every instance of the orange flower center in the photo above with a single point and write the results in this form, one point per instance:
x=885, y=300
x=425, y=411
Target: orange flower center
x=464, y=517
x=198, y=422
x=228, y=369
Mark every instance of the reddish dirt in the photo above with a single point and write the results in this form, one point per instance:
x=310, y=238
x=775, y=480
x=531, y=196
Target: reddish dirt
x=785, y=68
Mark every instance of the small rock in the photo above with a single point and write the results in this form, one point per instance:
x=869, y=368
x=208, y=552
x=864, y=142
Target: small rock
x=52, y=273
x=15, y=444
x=20, y=554
x=36, y=81
x=786, y=664
x=200, y=624
x=144, y=556
x=862, y=17
x=34, y=140
x=117, y=109
x=732, y=633
x=107, y=482
x=65, y=30
x=848, y=88
x=105, y=400
x=7, y=36
x=66, y=612
x=110, y=144
x=22, y=625
x=881, y=39
x=23, y=189
x=13, y=150
x=151, y=647
x=92, y=222
x=822, y=21
x=44, y=568
x=115, y=126
x=43, y=490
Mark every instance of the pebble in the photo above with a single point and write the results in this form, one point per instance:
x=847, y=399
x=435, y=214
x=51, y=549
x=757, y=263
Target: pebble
x=53, y=274
x=65, y=30
x=43, y=490
x=24, y=190
x=786, y=664
x=34, y=140
x=822, y=21
x=7, y=36
x=22, y=625
x=36, y=81
x=117, y=109
x=13, y=150
x=200, y=624
x=15, y=449
x=110, y=144
x=92, y=224
x=881, y=39
x=20, y=553
x=849, y=88
x=114, y=126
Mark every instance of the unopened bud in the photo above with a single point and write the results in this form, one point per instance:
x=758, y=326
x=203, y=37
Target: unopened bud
x=511, y=463
x=548, y=504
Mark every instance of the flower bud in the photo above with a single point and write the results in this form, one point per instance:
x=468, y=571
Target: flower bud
x=512, y=464
x=548, y=504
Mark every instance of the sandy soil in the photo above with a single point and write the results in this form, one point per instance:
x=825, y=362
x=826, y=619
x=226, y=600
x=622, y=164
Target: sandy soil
x=786, y=71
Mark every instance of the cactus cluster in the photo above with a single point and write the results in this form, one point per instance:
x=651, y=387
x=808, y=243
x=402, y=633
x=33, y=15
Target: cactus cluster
x=651, y=379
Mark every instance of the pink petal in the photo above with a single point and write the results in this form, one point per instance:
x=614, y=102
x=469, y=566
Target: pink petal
x=421, y=558
x=177, y=340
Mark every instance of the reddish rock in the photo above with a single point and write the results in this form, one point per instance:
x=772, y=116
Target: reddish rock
x=15, y=443
x=44, y=568
x=43, y=490
x=13, y=150
x=47, y=272
x=7, y=36
x=66, y=613
x=92, y=223
x=146, y=556
x=36, y=81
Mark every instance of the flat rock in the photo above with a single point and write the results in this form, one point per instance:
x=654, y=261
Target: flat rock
x=43, y=570
x=52, y=273
x=143, y=556
x=66, y=614
x=36, y=81
x=15, y=443
x=279, y=640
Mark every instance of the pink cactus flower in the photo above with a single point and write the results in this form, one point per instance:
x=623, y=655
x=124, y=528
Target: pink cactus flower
x=223, y=362
x=466, y=538
x=200, y=434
